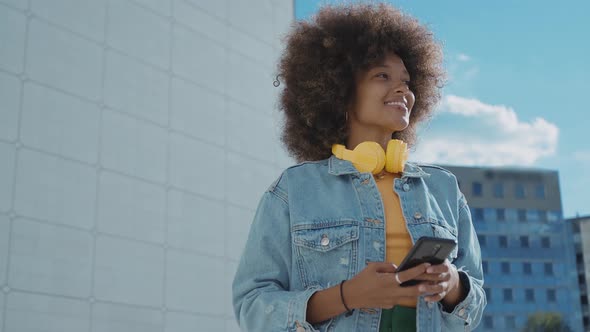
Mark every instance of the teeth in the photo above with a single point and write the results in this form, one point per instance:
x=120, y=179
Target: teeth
x=396, y=103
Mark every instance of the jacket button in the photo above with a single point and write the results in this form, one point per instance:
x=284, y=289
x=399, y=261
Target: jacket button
x=325, y=240
x=406, y=187
x=417, y=215
x=462, y=312
x=300, y=329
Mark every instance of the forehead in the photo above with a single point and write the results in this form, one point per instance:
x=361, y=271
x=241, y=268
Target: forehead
x=391, y=61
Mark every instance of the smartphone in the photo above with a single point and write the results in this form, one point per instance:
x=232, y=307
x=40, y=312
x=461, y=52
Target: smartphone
x=427, y=249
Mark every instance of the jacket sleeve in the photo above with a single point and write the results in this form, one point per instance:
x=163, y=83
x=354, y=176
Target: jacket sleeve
x=467, y=314
x=261, y=297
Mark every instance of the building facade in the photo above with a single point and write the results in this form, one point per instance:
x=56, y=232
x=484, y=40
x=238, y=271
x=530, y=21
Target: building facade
x=527, y=253
x=580, y=228
x=136, y=138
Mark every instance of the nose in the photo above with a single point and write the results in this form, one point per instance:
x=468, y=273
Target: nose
x=401, y=88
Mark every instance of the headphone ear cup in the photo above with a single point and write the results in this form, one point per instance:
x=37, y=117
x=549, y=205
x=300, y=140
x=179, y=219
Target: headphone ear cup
x=396, y=156
x=369, y=157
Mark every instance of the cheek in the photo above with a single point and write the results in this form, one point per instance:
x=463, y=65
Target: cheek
x=411, y=100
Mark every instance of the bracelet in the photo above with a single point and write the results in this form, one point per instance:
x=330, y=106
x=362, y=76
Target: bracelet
x=348, y=311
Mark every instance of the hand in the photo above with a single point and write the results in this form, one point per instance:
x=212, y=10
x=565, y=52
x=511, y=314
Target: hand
x=376, y=286
x=440, y=281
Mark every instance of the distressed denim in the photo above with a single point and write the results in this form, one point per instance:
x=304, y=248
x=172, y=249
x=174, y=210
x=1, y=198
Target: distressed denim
x=321, y=222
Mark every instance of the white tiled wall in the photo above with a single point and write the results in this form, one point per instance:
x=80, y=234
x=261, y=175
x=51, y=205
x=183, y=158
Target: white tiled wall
x=136, y=137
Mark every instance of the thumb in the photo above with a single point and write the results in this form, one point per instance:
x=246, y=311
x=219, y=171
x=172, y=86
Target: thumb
x=385, y=267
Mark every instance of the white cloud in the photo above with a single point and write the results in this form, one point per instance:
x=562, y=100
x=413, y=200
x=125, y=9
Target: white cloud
x=470, y=132
x=462, y=69
x=463, y=57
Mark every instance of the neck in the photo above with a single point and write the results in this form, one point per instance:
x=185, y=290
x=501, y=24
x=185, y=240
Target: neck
x=357, y=137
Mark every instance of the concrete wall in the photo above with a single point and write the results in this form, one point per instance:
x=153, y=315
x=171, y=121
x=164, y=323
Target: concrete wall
x=136, y=137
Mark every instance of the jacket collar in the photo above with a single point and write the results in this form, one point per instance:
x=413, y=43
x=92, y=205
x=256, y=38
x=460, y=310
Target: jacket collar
x=340, y=167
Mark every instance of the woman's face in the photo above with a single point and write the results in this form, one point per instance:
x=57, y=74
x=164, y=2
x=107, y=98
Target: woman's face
x=383, y=99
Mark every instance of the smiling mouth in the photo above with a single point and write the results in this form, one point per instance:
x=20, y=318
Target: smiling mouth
x=397, y=104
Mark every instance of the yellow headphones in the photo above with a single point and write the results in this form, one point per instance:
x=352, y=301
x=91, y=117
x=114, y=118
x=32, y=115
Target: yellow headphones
x=370, y=157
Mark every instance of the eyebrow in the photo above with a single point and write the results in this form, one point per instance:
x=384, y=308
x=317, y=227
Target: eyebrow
x=382, y=65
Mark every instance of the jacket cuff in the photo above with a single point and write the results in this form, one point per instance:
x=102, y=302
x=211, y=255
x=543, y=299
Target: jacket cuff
x=463, y=310
x=297, y=314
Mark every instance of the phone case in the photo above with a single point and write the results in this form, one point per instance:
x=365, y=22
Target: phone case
x=427, y=249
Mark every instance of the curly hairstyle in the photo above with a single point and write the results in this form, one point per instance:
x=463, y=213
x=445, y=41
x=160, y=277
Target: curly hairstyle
x=320, y=63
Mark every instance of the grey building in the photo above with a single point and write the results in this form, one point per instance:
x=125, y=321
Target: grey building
x=580, y=228
x=136, y=138
x=527, y=252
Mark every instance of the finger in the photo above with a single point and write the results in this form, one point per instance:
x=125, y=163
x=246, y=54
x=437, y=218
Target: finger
x=434, y=277
x=440, y=268
x=409, y=291
x=435, y=298
x=383, y=267
x=412, y=273
x=426, y=288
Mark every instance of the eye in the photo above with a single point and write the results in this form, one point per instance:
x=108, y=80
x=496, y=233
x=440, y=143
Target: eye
x=382, y=75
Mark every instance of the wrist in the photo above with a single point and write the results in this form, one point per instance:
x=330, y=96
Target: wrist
x=454, y=296
x=350, y=295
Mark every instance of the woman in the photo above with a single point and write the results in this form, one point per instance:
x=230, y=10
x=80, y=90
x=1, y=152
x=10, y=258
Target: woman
x=328, y=235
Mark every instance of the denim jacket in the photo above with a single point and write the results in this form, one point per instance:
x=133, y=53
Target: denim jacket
x=287, y=257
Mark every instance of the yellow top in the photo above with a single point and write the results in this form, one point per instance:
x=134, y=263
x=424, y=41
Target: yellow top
x=398, y=241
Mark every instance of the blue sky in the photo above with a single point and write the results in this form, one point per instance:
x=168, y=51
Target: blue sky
x=518, y=83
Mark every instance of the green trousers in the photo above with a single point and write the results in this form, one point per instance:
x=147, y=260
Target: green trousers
x=398, y=319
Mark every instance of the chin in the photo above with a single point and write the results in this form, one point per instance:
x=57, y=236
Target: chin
x=398, y=127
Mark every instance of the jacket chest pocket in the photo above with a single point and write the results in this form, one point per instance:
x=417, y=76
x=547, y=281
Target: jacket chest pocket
x=325, y=255
x=445, y=233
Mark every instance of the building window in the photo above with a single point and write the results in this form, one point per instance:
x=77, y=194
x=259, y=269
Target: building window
x=498, y=190
x=524, y=241
x=505, y=268
x=532, y=215
x=521, y=214
x=507, y=295
x=503, y=240
x=551, y=297
x=519, y=190
x=488, y=294
x=540, y=191
x=527, y=268
x=548, y=269
x=545, y=242
x=510, y=322
x=484, y=266
x=477, y=189
x=500, y=214
x=529, y=295
x=579, y=259
x=489, y=214
x=478, y=214
x=542, y=215
x=584, y=299
x=553, y=216
x=488, y=322
x=482, y=240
